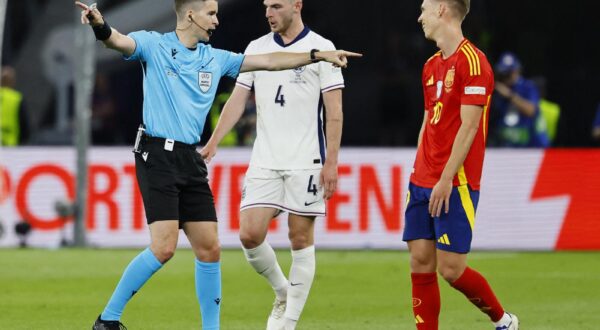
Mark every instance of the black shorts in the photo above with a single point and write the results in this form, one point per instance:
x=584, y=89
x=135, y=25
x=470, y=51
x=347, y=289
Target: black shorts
x=174, y=184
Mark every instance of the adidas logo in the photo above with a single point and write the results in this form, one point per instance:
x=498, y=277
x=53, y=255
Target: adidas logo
x=429, y=82
x=444, y=239
x=418, y=319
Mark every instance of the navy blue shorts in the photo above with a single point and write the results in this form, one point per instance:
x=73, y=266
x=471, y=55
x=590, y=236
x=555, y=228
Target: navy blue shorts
x=452, y=231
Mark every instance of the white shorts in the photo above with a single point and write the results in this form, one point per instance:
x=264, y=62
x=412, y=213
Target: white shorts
x=294, y=191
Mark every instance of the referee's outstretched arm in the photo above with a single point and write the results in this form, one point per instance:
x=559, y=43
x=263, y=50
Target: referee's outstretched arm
x=109, y=36
x=113, y=39
x=283, y=61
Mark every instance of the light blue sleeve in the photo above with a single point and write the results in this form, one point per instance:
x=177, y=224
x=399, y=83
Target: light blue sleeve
x=231, y=63
x=144, y=41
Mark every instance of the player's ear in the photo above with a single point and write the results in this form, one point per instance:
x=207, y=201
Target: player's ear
x=441, y=8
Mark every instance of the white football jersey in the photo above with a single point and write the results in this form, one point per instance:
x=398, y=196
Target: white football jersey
x=289, y=104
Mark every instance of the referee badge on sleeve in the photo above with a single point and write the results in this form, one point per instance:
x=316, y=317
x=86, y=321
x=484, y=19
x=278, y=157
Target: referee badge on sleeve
x=205, y=81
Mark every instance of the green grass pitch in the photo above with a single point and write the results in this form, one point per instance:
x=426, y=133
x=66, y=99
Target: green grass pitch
x=67, y=289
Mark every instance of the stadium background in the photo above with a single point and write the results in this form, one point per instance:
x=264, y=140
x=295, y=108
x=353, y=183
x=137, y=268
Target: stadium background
x=541, y=200
x=554, y=40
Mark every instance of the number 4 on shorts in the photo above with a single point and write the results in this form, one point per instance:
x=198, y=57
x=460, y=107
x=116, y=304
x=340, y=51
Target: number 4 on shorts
x=312, y=188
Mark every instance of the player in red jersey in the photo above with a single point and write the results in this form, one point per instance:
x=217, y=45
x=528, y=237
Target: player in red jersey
x=444, y=187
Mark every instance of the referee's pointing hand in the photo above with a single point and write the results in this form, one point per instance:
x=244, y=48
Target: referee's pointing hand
x=90, y=14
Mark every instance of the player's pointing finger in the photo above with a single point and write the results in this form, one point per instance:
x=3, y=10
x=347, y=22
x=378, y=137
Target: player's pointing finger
x=352, y=54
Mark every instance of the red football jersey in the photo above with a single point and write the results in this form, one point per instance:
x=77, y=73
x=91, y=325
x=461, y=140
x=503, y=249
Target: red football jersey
x=464, y=78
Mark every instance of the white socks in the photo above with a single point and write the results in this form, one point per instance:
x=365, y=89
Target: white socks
x=290, y=324
x=301, y=276
x=263, y=260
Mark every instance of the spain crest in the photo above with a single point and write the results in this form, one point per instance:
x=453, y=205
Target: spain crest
x=449, y=81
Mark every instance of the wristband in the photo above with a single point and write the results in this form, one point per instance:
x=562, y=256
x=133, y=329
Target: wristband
x=313, y=57
x=102, y=32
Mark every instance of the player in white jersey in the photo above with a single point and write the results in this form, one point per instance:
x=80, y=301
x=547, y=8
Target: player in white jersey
x=292, y=168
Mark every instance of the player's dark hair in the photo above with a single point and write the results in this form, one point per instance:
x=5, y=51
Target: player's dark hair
x=460, y=7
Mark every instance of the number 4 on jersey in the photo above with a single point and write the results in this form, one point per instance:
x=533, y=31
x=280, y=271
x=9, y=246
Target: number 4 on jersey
x=279, y=98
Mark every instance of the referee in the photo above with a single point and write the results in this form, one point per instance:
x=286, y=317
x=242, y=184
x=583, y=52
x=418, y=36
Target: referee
x=180, y=81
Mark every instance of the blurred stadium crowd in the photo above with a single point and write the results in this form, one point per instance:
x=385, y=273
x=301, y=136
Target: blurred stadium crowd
x=544, y=53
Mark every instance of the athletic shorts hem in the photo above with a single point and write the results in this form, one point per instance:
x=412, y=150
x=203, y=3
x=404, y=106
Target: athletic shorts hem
x=450, y=249
x=282, y=208
x=408, y=239
x=182, y=222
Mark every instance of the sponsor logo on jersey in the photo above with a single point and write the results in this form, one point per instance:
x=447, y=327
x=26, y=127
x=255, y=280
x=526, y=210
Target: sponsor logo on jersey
x=205, y=81
x=475, y=90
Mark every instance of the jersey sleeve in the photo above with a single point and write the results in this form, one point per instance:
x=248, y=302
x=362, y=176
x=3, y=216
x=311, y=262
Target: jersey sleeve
x=143, y=45
x=424, y=85
x=246, y=79
x=478, y=80
x=330, y=76
x=430, y=86
x=230, y=62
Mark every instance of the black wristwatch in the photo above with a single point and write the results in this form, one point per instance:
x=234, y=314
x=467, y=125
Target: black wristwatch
x=313, y=57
